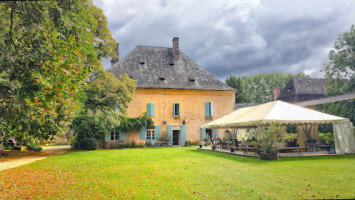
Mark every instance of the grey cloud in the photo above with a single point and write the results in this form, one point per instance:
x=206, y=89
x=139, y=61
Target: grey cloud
x=235, y=37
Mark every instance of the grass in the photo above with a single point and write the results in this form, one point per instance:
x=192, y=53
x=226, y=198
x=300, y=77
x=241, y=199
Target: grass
x=178, y=173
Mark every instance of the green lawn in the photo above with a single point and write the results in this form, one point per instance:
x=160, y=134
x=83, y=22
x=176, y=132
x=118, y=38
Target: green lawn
x=180, y=173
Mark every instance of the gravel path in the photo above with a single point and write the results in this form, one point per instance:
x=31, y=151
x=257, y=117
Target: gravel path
x=26, y=160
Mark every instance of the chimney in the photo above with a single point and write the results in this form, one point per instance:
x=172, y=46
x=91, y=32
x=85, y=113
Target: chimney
x=176, y=50
x=114, y=61
x=276, y=92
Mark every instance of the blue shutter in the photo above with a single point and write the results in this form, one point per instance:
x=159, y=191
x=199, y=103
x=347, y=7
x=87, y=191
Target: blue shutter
x=157, y=132
x=203, y=132
x=152, y=109
x=211, y=106
x=215, y=133
x=170, y=133
x=143, y=133
x=183, y=136
x=178, y=109
x=207, y=110
x=149, y=109
x=117, y=109
x=122, y=136
x=107, y=137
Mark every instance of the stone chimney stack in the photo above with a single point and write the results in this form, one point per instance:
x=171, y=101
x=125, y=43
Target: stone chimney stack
x=276, y=92
x=114, y=61
x=176, y=50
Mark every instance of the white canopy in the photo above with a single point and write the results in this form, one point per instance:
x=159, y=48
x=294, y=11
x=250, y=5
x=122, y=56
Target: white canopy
x=285, y=113
x=276, y=111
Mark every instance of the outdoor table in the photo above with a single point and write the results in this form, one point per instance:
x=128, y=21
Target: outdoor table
x=297, y=149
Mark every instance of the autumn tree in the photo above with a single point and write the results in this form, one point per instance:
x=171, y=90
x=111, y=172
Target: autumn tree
x=340, y=70
x=49, y=49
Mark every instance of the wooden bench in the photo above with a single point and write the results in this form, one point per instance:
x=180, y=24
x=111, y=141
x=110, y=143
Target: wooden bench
x=246, y=149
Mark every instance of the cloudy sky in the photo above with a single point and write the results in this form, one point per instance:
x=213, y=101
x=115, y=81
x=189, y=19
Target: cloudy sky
x=235, y=37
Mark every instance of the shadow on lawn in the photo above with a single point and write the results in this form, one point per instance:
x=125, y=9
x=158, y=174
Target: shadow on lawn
x=245, y=159
x=236, y=158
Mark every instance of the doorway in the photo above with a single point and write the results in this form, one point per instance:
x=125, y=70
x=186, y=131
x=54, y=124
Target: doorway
x=176, y=137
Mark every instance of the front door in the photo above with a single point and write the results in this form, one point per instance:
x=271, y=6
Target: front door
x=176, y=136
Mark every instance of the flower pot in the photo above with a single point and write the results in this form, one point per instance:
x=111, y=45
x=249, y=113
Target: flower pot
x=200, y=146
x=232, y=149
x=213, y=148
x=268, y=156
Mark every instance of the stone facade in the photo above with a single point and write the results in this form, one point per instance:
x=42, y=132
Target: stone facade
x=192, y=111
x=167, y=77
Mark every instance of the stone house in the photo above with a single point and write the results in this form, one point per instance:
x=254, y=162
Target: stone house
x=302, y=89
x=177, y=93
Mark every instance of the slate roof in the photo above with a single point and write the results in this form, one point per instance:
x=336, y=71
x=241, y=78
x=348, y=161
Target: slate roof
x=303, y=89
x=343, y=97
x=156, y=67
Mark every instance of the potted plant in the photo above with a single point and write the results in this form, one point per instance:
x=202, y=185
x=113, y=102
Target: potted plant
x=232, y=149
x=213, y=147
x=269, y=142
x=200, y=145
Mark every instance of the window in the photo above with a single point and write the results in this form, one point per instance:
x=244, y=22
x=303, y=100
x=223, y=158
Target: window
x=176, y=109
x=150, y=109
x=114, y=135
x=150, y=134
x=208, y=109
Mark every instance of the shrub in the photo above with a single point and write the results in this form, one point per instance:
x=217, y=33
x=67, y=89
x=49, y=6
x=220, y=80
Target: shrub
x=327, y=138
x=164, y=138
x=34, y=147
x=132, y=144
x=190, y=143
x=89, y=144
x=74, y=143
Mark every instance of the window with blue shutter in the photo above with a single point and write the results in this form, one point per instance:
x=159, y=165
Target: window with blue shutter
x=117, y=109
x=143, y=133
x=211, y=109
x=170, y=134
x=176, y=109
x=107, y=138
x=208, y=109
x=157, y=132
x=150, y=109
x=202, y=132
x=183, y=135
x=122, y=136
x=215, y=131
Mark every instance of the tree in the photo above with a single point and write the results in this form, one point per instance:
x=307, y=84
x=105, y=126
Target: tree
x=259, y=88
x=48, y=51
x=105, y=101
x=237, y=82
x=340, y=70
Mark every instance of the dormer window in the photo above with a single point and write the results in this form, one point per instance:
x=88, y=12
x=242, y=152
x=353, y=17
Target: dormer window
x=162, y=78
x=171, y=63
x=141, y=61
x=192, y=79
